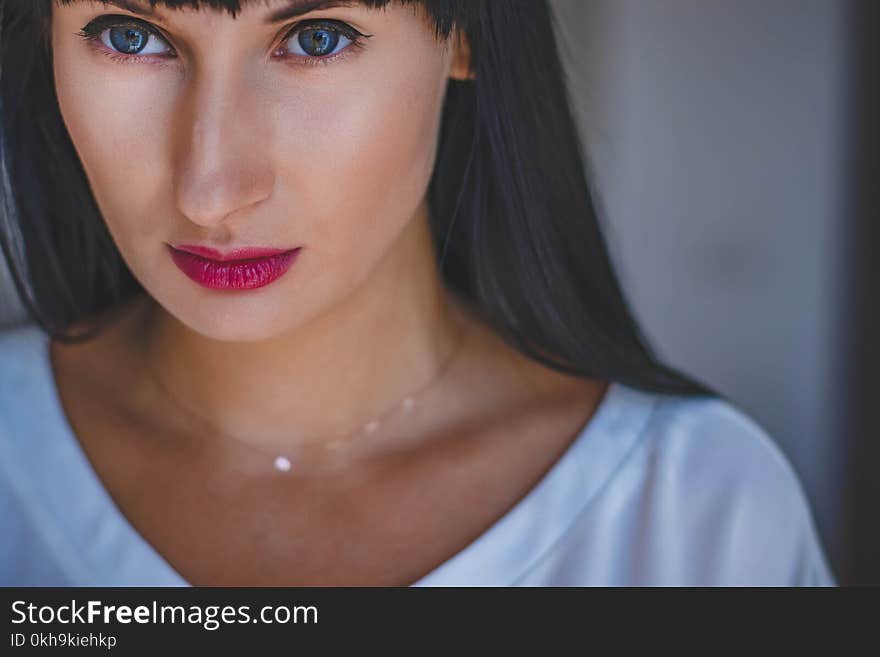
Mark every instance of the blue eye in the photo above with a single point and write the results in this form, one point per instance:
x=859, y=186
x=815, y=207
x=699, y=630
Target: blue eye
x=133, y=40
x=124, y=36
x=124, y=39
x=318, y=41
x=129, y=40
x=323, y=39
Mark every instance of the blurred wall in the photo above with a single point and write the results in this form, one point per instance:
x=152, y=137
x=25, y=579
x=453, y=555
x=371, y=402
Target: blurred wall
x=717, y=131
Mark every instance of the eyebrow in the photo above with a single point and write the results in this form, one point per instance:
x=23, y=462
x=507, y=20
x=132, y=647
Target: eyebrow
x=293, y=9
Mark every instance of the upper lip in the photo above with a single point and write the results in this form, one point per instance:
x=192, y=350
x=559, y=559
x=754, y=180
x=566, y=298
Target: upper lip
x=240, y=253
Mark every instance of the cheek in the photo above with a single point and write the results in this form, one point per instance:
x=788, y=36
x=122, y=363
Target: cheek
x=361, y=154
x=106, y=116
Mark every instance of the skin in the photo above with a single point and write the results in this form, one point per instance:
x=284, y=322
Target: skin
x=181, y=403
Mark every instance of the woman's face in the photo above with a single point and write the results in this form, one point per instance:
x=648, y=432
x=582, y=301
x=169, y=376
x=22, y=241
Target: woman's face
x=197, y=128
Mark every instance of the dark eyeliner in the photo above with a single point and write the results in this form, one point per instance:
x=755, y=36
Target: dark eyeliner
x=357, y=41
x=338, y=26
x=94, y=28
x=92, y=31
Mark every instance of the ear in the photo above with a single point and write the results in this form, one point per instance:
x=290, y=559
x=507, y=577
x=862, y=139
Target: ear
x=461, y=58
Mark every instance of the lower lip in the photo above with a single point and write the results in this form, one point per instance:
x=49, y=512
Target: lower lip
x=234, y=274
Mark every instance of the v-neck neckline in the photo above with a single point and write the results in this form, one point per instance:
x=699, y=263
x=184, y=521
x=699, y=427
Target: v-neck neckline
x=115, y=553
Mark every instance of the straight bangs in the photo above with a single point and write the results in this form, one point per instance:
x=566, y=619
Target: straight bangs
x=447, y=15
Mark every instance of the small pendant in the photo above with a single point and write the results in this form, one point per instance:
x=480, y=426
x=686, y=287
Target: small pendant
x=282, y=463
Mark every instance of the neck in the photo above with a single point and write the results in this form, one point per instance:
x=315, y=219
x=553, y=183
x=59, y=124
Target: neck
x=322, y=379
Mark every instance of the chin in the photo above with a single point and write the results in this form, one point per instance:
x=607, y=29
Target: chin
x=230, y=319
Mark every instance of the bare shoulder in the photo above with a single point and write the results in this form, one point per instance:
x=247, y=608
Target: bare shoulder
x=518, y=394
x=525, y=374
x=102, y=371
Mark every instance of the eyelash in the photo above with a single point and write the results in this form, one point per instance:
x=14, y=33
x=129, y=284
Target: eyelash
x=92, y=34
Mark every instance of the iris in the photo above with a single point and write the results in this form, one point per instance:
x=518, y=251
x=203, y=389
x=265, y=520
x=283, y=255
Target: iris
x=320, y=39
x=129, y=40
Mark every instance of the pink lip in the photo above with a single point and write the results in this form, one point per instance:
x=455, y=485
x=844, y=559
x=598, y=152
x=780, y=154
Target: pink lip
x=240, y=269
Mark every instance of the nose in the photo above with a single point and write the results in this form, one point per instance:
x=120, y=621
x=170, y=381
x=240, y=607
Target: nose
x=221, y=161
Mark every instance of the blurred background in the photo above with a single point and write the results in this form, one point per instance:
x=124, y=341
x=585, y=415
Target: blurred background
x=731, y=143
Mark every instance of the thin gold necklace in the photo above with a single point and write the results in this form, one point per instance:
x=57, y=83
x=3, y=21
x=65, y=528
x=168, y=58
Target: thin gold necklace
x=284, y=462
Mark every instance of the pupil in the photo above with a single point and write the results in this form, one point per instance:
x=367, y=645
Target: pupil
x=318, y=41
x=128, y=40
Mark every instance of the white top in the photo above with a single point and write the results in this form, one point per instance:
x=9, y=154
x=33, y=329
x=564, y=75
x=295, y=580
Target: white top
x=656, y=490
